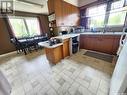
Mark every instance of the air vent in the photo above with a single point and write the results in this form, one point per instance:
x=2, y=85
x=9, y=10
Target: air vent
x=30, y=3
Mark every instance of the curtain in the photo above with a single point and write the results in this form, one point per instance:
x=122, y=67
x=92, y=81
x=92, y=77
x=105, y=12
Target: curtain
x=10, y=31
x=83, y=18
x=41, y=26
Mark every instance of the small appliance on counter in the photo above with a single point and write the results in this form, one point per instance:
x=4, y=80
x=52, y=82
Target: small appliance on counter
x=64, y=32
x=78, y=29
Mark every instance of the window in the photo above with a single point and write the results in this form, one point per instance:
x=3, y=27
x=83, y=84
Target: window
x=117, y=14
x=97, y=21
x=24, y=27
x=117, y=4
x=33, y=27
x=116, y=18
x=97, y=10
x=96, y=16
x=18, y=27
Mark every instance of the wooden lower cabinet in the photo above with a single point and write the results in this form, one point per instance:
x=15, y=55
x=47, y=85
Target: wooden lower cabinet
x=66, y=51
x=102, y=43
x=54, y=55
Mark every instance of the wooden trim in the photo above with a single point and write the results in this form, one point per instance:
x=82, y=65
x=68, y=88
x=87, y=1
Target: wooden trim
x=93, y=4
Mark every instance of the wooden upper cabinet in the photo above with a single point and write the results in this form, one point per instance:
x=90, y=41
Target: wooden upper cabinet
x=58, y=12
x=70, y=14
x=51, y=8
x=66, y=14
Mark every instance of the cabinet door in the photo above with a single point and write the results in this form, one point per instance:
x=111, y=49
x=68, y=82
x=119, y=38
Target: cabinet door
x=116, y=44
x=57, y=54
x=67, y=19
x=58, y=12
x=82, y=37
x=75, y=15
x=88, y=42
x=91, y=43
x=51, y=6
x=66, y=48
x=49, y=54
x=107, y=44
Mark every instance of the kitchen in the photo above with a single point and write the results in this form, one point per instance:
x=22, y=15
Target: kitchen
x=79, y=49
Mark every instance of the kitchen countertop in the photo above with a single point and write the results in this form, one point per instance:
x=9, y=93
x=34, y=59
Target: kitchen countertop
x=66, y=36
x=100, y=33
x=46, y=44
x=63, y=37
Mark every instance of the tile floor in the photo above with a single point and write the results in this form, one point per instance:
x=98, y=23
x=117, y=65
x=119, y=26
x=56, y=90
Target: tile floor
x=76, y=75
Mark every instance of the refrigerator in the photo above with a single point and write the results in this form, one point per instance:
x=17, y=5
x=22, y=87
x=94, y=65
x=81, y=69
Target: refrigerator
x=5, y=87
x=118, y=85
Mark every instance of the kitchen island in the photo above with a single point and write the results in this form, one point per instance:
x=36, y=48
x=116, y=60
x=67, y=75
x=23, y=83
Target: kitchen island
x=55, y=53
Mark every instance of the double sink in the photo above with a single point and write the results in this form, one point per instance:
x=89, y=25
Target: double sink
x=54, y=41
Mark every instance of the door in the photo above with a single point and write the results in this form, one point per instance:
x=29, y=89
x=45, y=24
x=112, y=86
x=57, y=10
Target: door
x=119, y=79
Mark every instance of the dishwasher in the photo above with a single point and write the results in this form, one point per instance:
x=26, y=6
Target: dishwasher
x=74, y=45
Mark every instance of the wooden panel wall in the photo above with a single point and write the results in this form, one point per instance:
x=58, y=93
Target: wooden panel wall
x=5, y=44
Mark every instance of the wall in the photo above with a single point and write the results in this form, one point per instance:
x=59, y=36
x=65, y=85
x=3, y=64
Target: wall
x=44, y=23
x=5, y=45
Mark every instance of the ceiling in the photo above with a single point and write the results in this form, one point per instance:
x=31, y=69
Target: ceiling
x=40, y=6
